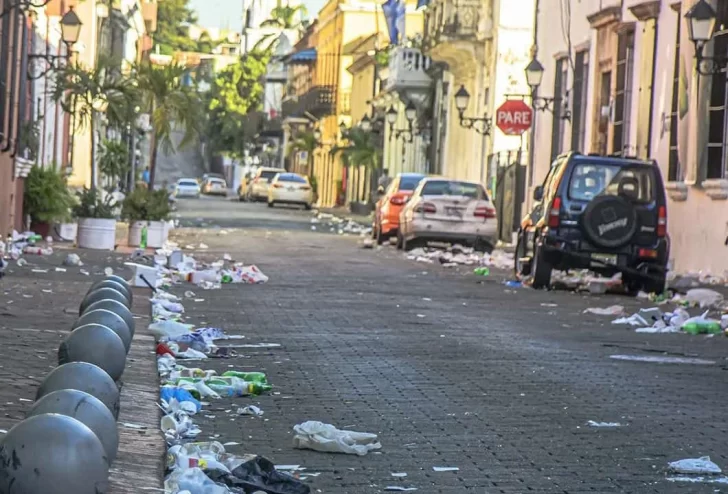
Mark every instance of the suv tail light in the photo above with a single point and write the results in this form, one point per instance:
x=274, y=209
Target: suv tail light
x=555, y=213
x=484, y=212
x=277, y=186
x=426, y=207
x=661, y=221
x=305, y=187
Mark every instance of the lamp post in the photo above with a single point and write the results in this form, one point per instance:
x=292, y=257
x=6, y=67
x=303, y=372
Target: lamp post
x=701, y=29
x=407, y=134
x=534, y=77
x=70, y=31
x=481, y=125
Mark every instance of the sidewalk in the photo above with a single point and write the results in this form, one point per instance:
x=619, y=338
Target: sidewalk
x=37, y=308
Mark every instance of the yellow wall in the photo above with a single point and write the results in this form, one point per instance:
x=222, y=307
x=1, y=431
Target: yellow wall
x=339, y=24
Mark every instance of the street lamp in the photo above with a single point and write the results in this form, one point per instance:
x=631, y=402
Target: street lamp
x=366, y=123
x=701, y=19
x=410, y=114
x=481, y=125
x=534, y=77
x=70, y=32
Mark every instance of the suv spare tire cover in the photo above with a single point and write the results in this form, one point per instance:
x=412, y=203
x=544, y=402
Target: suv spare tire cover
x=609, y=221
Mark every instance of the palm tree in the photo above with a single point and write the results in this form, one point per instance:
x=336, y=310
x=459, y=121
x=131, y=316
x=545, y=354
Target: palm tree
x=85, y=92
x=171, y=104
x=305, y=141
x=286, y=17
x=361, y=151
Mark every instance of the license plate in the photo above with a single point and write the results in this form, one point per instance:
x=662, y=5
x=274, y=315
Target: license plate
x=291, y=188
x=457, y=212
x=604, y=258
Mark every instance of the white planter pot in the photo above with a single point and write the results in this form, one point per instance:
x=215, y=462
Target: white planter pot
x=96, y=233
x=67, y=231
x=156, y=233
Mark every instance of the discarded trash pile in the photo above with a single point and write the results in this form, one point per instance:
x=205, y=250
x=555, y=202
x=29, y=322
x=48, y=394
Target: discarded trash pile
x=458, y=255
x=69, y=438
x=25, y=243
x=172, y=266
x=342, y=226
x=654, y=320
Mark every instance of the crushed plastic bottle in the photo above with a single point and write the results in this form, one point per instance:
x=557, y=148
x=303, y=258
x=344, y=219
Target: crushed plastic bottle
x=482, y=271
x=39, y=251
x=193, y=480
x=251, y=377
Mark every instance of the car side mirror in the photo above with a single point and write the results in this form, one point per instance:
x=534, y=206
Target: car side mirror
x=538, y=193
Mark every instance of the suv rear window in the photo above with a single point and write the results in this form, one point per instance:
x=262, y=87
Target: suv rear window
x=187, y=183
x=409, y=183
x=636, y=183
x=454, y=188
x=290, y=177
x=268, y=175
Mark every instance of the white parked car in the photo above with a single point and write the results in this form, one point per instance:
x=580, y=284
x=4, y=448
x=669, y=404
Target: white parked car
x=187, y=187
x=451, y=211
x=258, y=189
x=290, y=188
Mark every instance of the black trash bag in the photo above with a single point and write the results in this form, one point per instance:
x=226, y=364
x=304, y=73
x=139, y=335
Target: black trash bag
x=259, y=474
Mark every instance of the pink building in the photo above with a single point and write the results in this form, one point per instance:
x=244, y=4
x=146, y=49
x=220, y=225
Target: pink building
x=627, y=73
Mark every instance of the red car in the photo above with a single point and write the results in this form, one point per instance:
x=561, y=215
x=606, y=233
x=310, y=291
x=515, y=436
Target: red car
x=390, y=204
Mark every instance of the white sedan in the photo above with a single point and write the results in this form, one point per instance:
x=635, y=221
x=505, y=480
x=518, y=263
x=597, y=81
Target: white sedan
x=451, y=211
x=187, y=187
x=290, y=188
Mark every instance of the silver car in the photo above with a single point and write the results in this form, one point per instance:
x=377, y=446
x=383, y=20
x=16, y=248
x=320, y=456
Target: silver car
x=187, y=187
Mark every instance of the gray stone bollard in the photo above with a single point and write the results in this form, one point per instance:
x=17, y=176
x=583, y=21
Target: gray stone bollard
x=110, y=320
x=117, y=308
x=113, y=284
x=85, y=408
x=52, y=454
x=95, y=344
x=101, y=294
x=85, y=377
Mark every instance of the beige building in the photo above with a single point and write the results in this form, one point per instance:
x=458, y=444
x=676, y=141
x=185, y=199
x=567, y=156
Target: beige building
x=629, y=70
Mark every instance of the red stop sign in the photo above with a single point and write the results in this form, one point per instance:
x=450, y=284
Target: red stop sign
x=514, y=117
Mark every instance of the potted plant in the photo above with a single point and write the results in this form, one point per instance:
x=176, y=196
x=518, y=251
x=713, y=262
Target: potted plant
x=96, y=220
x=46, y=199
x=150, y=209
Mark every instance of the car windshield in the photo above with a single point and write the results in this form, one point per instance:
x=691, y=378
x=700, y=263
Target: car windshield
x=217, y=181
x=291, y=177
x=187, y=183
x=268, y=174
x=454, y=188
x=410, y=182
x=635, y=183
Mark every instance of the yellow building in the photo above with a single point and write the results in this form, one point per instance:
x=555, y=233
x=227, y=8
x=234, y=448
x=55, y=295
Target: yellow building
x=340, y=23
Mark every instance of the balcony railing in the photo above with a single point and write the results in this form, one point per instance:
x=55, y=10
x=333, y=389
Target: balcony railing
x=319, y=101
x=453, y=20
x=407, y=69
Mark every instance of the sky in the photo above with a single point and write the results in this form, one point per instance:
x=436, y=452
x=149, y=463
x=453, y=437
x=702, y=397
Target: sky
x=227, y=14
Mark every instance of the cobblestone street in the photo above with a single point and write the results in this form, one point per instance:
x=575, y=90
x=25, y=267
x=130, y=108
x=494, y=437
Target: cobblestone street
x=450, y=370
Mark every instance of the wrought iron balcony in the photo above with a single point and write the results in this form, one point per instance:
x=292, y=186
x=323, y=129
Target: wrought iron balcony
x=448, y=21
x=407, y=70
x=318, y=101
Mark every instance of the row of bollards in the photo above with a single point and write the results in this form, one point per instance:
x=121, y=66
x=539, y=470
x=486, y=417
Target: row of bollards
x=69, y=439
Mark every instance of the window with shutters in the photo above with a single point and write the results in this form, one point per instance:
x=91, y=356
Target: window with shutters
x=673, y=165
x=557, y=125
x=717, y=157
x=581, y=81
x=623, y=94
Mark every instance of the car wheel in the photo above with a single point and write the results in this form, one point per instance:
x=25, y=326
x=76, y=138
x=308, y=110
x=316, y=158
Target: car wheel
x=381, y=238
x=520, y=269
x=483, y=246
x=400, y=241
x=541, y=270
x=307, y=207
x=271, y=204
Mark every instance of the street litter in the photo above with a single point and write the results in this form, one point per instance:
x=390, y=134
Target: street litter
x=459, y=255
x=342, y=226
x=613, y=310
x=592, y=423
x=585, y=280
x=328, y=439
x=72, y=260
x=703, y=298
x=662, y=360
x=697, y=466
x=250, y=410
x=398, y=475
x=399, y=489
x=655, y=321
x=446, y=469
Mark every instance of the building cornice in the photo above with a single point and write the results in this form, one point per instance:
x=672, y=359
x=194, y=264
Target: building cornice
x=646, y=10
x=605, y=17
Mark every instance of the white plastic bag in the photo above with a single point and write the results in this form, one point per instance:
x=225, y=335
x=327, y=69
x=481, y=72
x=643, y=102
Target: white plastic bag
x=166, y=329
x=193, y=480
x=328, y=439
x=703, y=297
x=699, y=466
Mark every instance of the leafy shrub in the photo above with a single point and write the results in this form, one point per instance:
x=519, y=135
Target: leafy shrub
x=92, y=205
x=146, y=205
x=46, y=197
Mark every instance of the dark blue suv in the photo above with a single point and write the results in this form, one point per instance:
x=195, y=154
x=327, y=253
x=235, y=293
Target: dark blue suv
x=603, y=213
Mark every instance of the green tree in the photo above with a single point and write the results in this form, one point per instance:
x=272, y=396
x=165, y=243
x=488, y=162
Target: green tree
x=114, y=160
x=86, y=92
x=172, y=105
x=305, y=141
x=173, y=19
x=205, y=44
x=286, y=17
x=360, y=151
